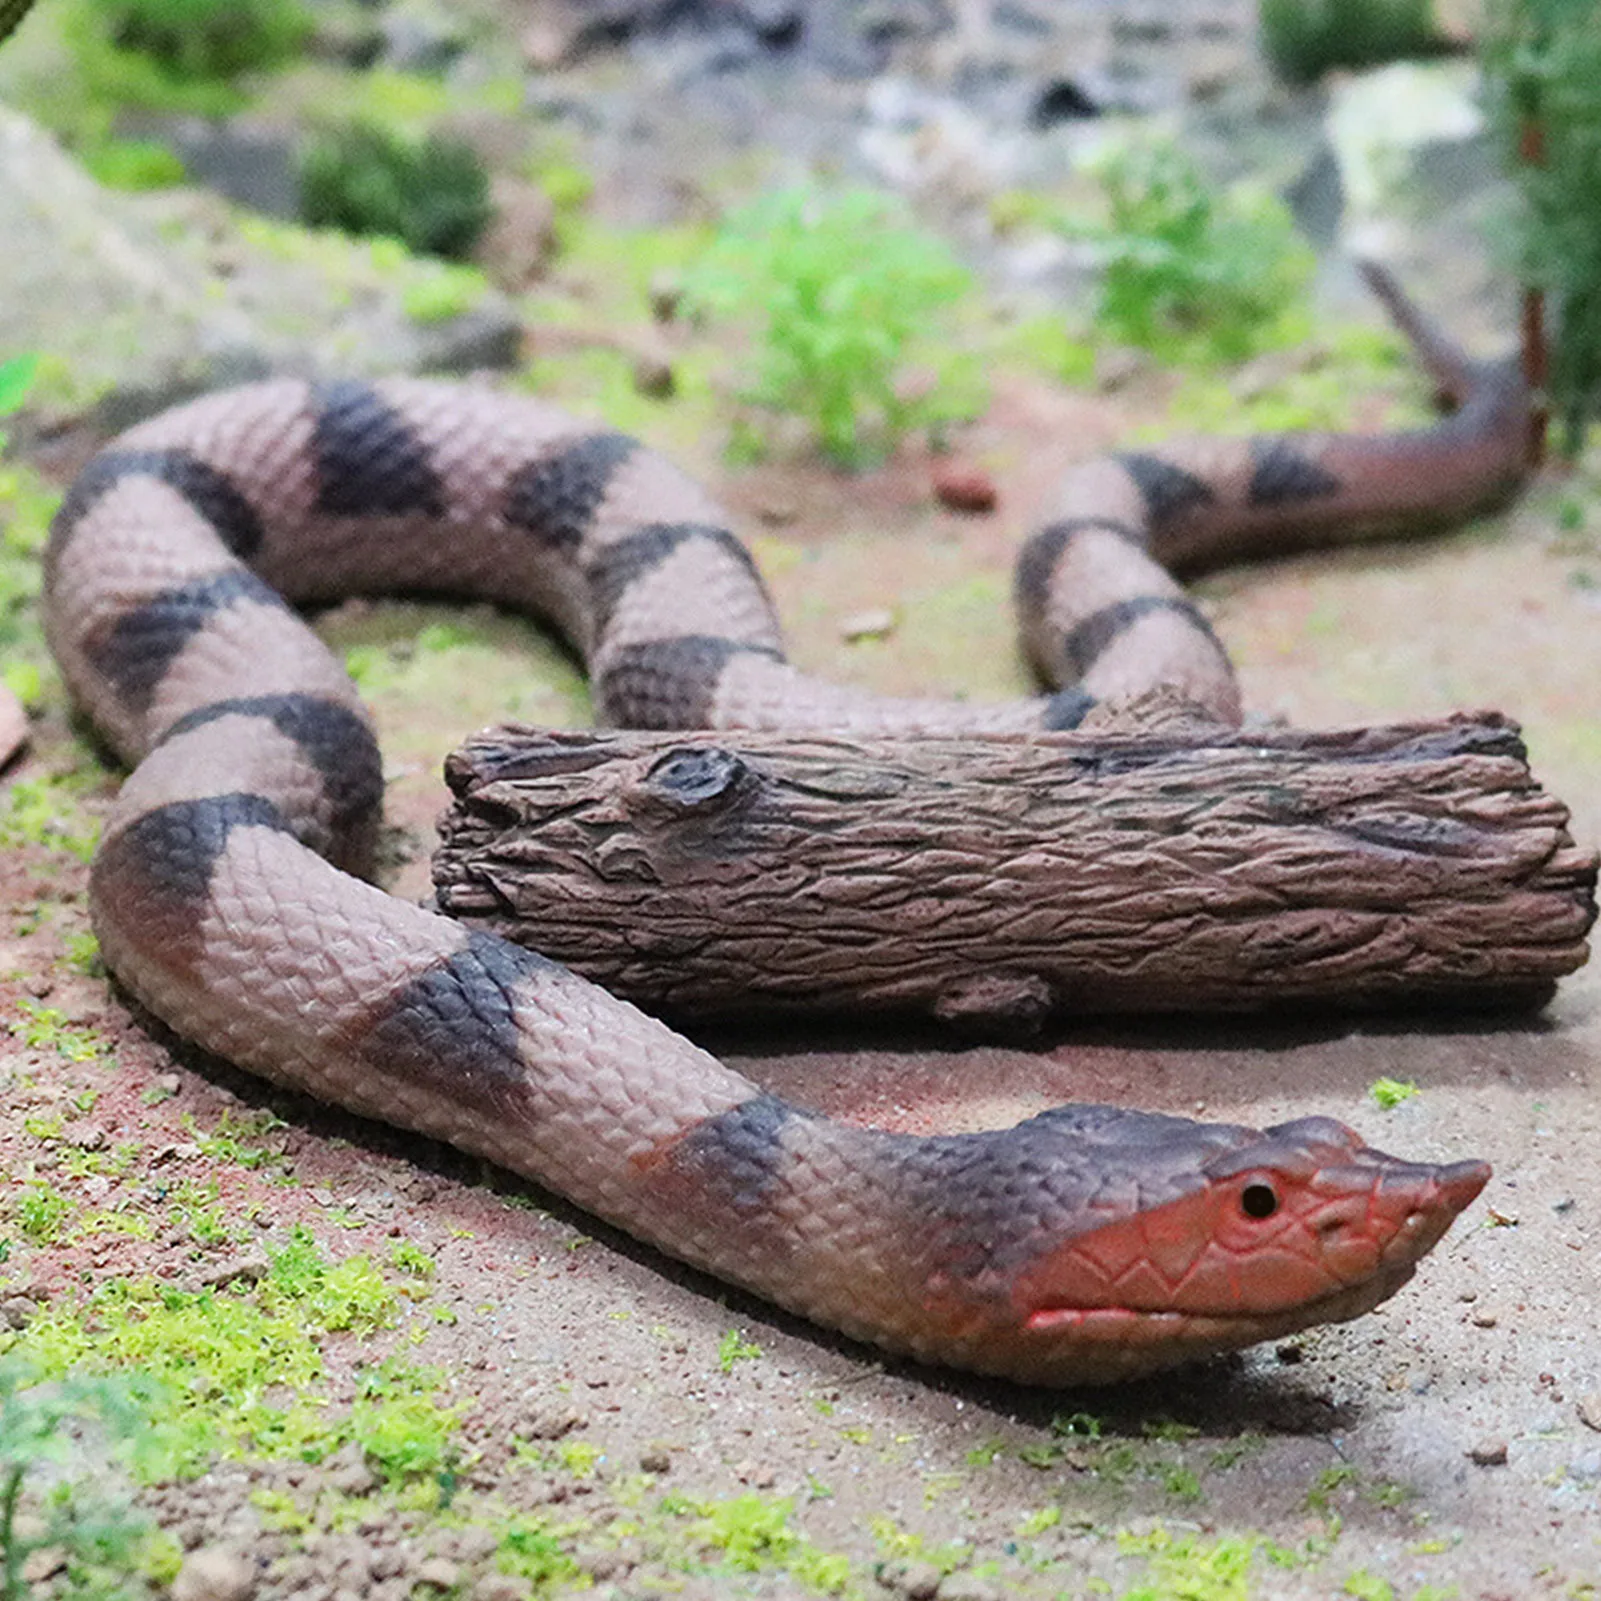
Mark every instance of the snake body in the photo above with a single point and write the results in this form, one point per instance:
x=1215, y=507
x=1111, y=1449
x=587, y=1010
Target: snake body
x=1086, y=1244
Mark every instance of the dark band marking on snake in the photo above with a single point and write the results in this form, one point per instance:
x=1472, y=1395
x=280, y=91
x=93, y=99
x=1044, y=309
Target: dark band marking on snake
x=1087, y=1244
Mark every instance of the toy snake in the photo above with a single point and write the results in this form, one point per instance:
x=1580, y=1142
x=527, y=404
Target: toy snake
x=1087, y=1244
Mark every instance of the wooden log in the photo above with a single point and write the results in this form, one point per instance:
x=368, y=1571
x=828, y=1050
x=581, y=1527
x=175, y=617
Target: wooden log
x=992, y=882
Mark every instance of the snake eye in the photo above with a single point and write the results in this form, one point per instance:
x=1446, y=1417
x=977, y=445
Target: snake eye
x=1259, y=1199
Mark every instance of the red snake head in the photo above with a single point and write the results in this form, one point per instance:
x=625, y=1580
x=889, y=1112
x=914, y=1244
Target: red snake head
x=1196, y=1238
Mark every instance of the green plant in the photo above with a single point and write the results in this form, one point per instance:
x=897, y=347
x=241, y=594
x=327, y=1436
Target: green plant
x=841, y=294
x=1189, y=271
x=432, y=194
x=1543, y=62
x=133, y=164
x=197, y=40
x=1304, y=38
x=90, y=1529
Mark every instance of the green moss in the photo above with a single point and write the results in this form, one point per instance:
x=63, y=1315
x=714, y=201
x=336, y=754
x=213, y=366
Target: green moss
x=753, y=1534
x=1389, y=1093
x=47, y=1028
x=46, y=811
x=240, y=1370
x=41, y=1213
x=237, y=1139
x=529, y=1550
x=734, y=1348
x=135, y=164
x=449, y=291
x=1186, y=1567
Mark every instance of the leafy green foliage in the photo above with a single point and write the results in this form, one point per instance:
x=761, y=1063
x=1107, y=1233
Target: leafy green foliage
x=1391, y=1092
x=1304, y=38
x=841, y=295
x=1543, y=61
x=204, y=39
x=1190, y=272
x=432, y=194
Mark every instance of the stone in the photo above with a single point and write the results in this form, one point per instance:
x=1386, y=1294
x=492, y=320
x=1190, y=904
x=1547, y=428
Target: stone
x=962, y=486
x=516, y=248
x=215, y=1573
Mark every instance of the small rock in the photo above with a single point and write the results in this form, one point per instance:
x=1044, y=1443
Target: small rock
x=249, y=1267
x=917, y=1581
x=1117, y=366
x=550, y=1423
x=656, y=1460
x=440, y=1572
x=666, y=294
x=878, y=622
x=1488, y=1454
x=39, y=985
x=964, y=487
x=18, y=1310
x=969, y=1587
x=215, y=1573
x=347, y=1470
x=1589, y=1409
x=777, y=513
x=1484, y=1320
x=517, y=246
x=1289, y=1352
x=501, y=1587
x=655, y=378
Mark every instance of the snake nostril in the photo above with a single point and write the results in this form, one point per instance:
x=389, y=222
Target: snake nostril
x=1259, y=1200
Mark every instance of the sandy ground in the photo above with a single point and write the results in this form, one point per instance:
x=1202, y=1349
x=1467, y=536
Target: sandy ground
x=1437, y=1446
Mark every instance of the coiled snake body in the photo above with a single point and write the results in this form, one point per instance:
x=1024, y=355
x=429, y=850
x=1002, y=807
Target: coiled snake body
x=1089, y=1243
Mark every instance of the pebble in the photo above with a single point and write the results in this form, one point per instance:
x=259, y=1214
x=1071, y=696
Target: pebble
x=1488, y=1454
x=440, y=1572
x=1589, y=1409
x=550, y=1423
x=969, y=1587
x=963, y=487
x=501, y=1587
x=18, y=1310
x=666, y=296
x=876, y=623
x=249, y=1267
x=917, y=1581
x=655, y=378
x=657, y=1460
x=215, y=1573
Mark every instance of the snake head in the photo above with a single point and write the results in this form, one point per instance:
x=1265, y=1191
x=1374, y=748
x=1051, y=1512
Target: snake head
x=1197, y=1238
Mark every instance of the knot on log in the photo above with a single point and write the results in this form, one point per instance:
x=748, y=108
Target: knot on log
x=693, y=780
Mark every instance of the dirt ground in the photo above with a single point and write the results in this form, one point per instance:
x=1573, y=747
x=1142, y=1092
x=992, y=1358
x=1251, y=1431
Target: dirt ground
x=1447, y=1444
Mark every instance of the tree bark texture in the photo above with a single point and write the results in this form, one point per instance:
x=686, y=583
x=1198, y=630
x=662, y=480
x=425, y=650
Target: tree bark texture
x=993, y=882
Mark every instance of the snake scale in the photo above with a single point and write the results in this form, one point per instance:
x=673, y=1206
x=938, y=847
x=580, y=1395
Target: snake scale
x=1087, y=1244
